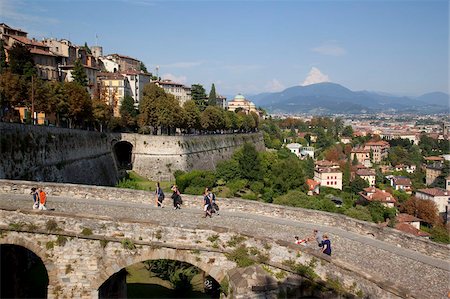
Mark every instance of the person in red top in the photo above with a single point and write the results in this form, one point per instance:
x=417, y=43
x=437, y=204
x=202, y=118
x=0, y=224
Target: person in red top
x=42, y=199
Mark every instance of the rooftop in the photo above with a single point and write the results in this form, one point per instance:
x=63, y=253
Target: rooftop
x=434, y=191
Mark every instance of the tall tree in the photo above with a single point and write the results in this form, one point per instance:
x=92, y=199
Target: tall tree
x=13, y=90
x=191, y=115
x=79, y=104
x=212, y=119
x=21, y=61
x=79, y=73
x=88, y=50
x=3, y=63
x=198, y=96
x=128, y=112
x=169, y=112
x=250, y=163
x=148, y=106
x=212, y=99
x=142, y=67
x=102, y=113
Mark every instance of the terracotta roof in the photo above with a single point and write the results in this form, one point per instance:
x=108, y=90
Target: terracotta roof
x=41, y=52
x=377, y=143
x=399, y=180
x=28, y=41
x=365, y=172
x=408, y=228
x=123, y=56
x=434, y=158
x=360, y=150
x=374, y=194
x=434, y=191
x=326, y=163
x=403, y=217
x=312, y=184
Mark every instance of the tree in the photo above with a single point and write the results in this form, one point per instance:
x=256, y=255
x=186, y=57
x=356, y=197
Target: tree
x=142, y=67
x=85, y=47
x=128, y=112
x=13, y=90
x=347, y=131
x=198, y=95
x=179, y=274
x=3, y=63
x=79, y=74
x=21, y=61
x=102, y=112
x=168, y=112
x=212, y=96
x=79, y=103
x=358, y=184
x=421, y=208
x=148, y=106
x=250, y=163
x=191, y=116
x=346, y=175
x=212, y=118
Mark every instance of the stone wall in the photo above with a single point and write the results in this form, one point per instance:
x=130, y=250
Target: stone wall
x=157, y=157
x=385, y=234
x=56, y=154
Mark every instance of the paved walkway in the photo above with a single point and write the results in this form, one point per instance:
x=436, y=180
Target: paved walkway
x=368, y=254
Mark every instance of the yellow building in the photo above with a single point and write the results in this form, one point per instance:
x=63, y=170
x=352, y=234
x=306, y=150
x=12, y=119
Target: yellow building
x=113, y=87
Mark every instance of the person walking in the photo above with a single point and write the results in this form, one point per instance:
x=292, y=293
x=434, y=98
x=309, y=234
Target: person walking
x=326, y=245
x=176, y=197
x=207, y=203
x=42, y=199
x=35, y=195
x=159, y=195
x=214, y=206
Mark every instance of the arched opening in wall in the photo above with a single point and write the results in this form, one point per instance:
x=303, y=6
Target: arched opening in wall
x=23, y=274
x=160, y=278
x=123, y=151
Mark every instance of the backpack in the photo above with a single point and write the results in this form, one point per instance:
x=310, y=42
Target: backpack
x=161, y=194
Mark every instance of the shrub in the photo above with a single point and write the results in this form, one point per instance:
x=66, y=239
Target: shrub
x=51, y=225
x=195, y=179
x=86, y=231
x=236, y=185
x=359, y=212
x=240, y=256
x=257, y=187
x=440, y=234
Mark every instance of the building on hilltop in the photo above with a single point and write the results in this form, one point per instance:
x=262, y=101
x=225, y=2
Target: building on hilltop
x=241, y=103
x=362, y=155
x=112, y=88
x=136, y=80
x=372, y=194
x=125, y=63
x=441, y=197
x=221, y=102
x=294, y=148
x=181, y=92
x=327, y=173
x=379, y=149
x=367, y=174
x=433, y=169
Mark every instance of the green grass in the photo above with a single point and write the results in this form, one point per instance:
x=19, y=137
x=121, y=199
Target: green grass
x=135, y=181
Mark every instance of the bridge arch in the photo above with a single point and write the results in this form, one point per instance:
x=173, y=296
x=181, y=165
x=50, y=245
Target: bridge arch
x=38, y=251
x=123, y=152
x=205, y=264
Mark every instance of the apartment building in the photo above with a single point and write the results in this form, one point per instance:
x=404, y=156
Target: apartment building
x=179, y=91
x=137, y=80
x=379, y=149
x=362, y=155
x=441, y=197
x=373, y=194
x=327, y=173
x=113, y=87
x=367, y=174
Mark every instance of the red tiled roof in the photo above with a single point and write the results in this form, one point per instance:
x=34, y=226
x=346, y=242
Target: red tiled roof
x=408, y=228
x=403, y=217
x=41, y=52
x=377, y=143
x=434, y=191
x=402, y=181
x=365, y=172
x=312, y=184
x=374, y=194
x=28, y=41
x=360, y=150
x=434, y=158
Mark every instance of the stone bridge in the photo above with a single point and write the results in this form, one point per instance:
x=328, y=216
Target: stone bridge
x=94, y=232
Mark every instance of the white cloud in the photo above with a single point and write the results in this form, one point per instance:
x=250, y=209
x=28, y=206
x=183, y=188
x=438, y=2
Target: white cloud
x=12, y=13
x=177, y=79
x=274, y=85
x=330, y=49
x=315, y=76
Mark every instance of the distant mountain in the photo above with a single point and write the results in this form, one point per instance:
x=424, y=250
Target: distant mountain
x=328, y=98
x=435, y=98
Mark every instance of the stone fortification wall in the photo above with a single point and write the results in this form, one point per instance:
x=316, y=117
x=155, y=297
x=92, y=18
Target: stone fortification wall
x=56, y=154
x=157, y=157
x=345, y=223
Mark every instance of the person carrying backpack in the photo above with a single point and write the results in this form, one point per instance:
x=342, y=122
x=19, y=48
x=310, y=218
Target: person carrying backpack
x=159, y=194
x=214, y=206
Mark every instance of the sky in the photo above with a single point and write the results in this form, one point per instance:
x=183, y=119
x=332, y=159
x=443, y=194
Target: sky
x=254, y=46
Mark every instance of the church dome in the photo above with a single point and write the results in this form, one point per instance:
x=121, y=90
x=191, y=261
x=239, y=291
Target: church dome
x=239, y=97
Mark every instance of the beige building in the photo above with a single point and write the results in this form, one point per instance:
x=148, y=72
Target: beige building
x=368, y=175
x=373, y=194
x=125, y=63
x=379, y=149
x=433, y=169
x=137, y=80
x=439, y=196
x=327, y=173
x=182, y=93
x=240, y=102
x=113, y=88
x=362, y=156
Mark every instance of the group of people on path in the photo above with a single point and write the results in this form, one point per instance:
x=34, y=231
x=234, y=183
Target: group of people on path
x=209, y=200
x=39, y=198
x=322, y=240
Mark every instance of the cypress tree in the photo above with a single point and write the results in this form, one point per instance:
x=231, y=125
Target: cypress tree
x=79, y=74
x=212, y=100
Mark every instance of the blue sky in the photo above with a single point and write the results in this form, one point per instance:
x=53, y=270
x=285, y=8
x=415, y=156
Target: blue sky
x=249, y=47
